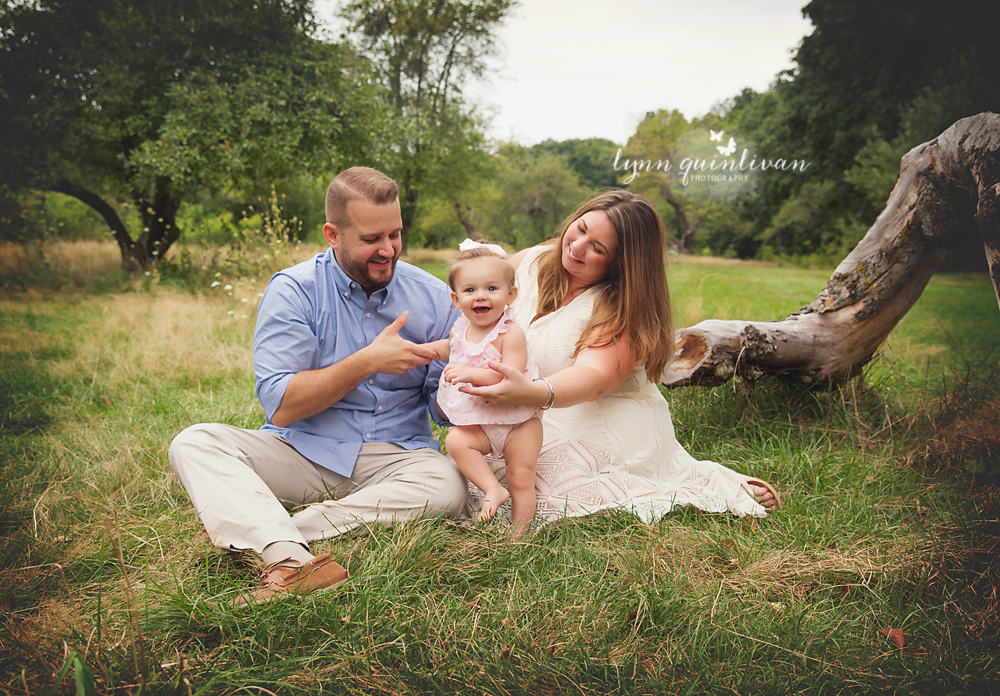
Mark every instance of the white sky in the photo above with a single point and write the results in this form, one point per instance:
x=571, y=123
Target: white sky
x=593, y=68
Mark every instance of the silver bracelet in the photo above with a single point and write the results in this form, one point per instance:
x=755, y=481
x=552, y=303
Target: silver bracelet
x=552, y=394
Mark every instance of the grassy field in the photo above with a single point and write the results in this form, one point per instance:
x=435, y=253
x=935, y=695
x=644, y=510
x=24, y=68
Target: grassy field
x=879, y=576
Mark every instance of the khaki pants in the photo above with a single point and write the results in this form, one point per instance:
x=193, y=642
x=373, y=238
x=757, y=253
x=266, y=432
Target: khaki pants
x=240, y=481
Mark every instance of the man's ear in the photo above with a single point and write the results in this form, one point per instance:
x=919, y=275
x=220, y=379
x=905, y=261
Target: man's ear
x=331, y=234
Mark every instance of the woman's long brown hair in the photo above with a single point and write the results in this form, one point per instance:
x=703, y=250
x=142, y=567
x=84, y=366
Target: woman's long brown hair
x=634, y=298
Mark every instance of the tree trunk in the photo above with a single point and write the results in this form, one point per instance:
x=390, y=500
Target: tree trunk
x=688, y=223
x=947, y=189
x=408, y=208
x=159, y=223
x=466, y=219
x=158, y=216
x=110, y=215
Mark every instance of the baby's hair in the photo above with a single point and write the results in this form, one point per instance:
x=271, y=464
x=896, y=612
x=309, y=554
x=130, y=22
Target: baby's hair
x=479, y=253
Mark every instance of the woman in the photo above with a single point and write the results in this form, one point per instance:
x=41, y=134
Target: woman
x=597, y=312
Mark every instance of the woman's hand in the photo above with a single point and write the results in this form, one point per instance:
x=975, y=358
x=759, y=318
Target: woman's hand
x=515, y=389
x=594, y=374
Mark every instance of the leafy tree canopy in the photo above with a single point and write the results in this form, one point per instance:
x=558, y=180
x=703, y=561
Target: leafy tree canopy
x=867, y=60
x=153, y=101
x=424, y=52
x=874, y=79
x=591, y=158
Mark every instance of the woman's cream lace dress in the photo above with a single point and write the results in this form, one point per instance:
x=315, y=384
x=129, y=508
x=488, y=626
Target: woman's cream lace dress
x=618, y=452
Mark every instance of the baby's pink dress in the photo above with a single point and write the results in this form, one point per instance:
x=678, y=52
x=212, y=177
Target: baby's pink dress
x=466, y=409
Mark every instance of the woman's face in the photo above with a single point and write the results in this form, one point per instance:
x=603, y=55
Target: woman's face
x=588, y=247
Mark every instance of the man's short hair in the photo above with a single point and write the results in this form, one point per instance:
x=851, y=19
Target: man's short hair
x=357, y=183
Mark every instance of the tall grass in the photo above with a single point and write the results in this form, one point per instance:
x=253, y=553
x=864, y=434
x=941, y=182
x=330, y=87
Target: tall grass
x=108, y=580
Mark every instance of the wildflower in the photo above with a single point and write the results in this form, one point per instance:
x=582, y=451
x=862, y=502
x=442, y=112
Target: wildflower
x=228, y=288
x=215, y=284
x=230, y=313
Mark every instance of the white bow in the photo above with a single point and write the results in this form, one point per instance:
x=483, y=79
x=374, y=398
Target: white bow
x=472, y=244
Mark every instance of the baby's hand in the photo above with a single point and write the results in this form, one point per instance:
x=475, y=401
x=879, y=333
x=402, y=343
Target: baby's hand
x=453, y=374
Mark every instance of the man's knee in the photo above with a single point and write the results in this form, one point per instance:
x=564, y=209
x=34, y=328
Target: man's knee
x=189, y=442
x=446, y=487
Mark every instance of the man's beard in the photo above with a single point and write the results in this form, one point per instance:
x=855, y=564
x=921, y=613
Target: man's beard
x=360, y=273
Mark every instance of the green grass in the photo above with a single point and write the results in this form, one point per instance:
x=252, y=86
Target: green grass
x=884, y=527
x=951, y=330
x=752, y=292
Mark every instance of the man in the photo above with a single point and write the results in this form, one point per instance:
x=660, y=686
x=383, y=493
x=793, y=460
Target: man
x=346, y=388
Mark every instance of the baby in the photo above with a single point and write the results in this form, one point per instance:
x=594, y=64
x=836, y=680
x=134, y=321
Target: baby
x=482, y=284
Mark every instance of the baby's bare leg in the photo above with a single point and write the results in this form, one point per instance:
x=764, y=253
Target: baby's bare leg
x=521, y=456
x=467, y=444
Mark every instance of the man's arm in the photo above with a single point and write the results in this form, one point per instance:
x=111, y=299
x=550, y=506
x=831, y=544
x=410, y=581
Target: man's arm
x=312, y=391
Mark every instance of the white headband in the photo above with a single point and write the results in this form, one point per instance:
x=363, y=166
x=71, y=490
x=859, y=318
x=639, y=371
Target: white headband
x=471, y=244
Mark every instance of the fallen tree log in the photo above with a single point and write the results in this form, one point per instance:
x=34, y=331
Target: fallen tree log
x=947, y=190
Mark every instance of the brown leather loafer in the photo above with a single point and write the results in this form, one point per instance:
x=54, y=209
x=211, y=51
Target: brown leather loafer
x=288, y=577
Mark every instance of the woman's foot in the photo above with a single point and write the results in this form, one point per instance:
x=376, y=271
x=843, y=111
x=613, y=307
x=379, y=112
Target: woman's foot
x=492, y=502
x=762, y=492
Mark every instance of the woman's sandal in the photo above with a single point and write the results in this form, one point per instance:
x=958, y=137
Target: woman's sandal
x=747, y=482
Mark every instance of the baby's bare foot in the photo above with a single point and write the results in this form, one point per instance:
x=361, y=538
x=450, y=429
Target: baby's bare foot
x=494, y=499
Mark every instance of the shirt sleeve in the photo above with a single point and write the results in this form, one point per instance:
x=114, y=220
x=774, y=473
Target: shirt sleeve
x=285, y=341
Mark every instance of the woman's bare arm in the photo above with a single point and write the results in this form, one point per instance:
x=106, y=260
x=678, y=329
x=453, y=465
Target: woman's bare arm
x=594, y=374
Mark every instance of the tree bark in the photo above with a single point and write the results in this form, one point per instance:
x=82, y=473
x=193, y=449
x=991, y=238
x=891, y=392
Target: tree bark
x=159, y=217
x=465, y=217
x=947, y=189
x=688, y=223
x=110, y=215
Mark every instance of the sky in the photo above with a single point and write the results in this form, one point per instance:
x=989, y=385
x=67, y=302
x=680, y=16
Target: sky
x=593, y=68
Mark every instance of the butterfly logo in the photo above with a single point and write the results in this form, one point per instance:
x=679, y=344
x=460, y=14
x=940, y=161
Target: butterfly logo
x=717, y=136
x=728, y=149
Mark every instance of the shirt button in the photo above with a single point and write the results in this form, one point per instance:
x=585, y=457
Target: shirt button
x=368, y=435
x=379, y=408
x=371, y=381
x=369, y=315
x=347, y=294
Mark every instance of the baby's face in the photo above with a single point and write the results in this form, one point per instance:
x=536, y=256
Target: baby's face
x=482, y=291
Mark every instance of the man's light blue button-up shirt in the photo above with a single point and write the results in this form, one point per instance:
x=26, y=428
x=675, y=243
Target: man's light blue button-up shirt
x=313, y=315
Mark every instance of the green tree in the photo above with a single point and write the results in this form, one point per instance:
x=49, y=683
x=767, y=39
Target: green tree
x=591, y=158
x=150, y=102
x=872, y=80
x=655, y=141
x=460, y=192
x=867, y=60
x=534, y=193
x=425, y=51
x=664, y=160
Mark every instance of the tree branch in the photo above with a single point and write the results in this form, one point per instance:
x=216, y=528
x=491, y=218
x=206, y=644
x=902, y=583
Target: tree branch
x=948, y=188
x=110, y=215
